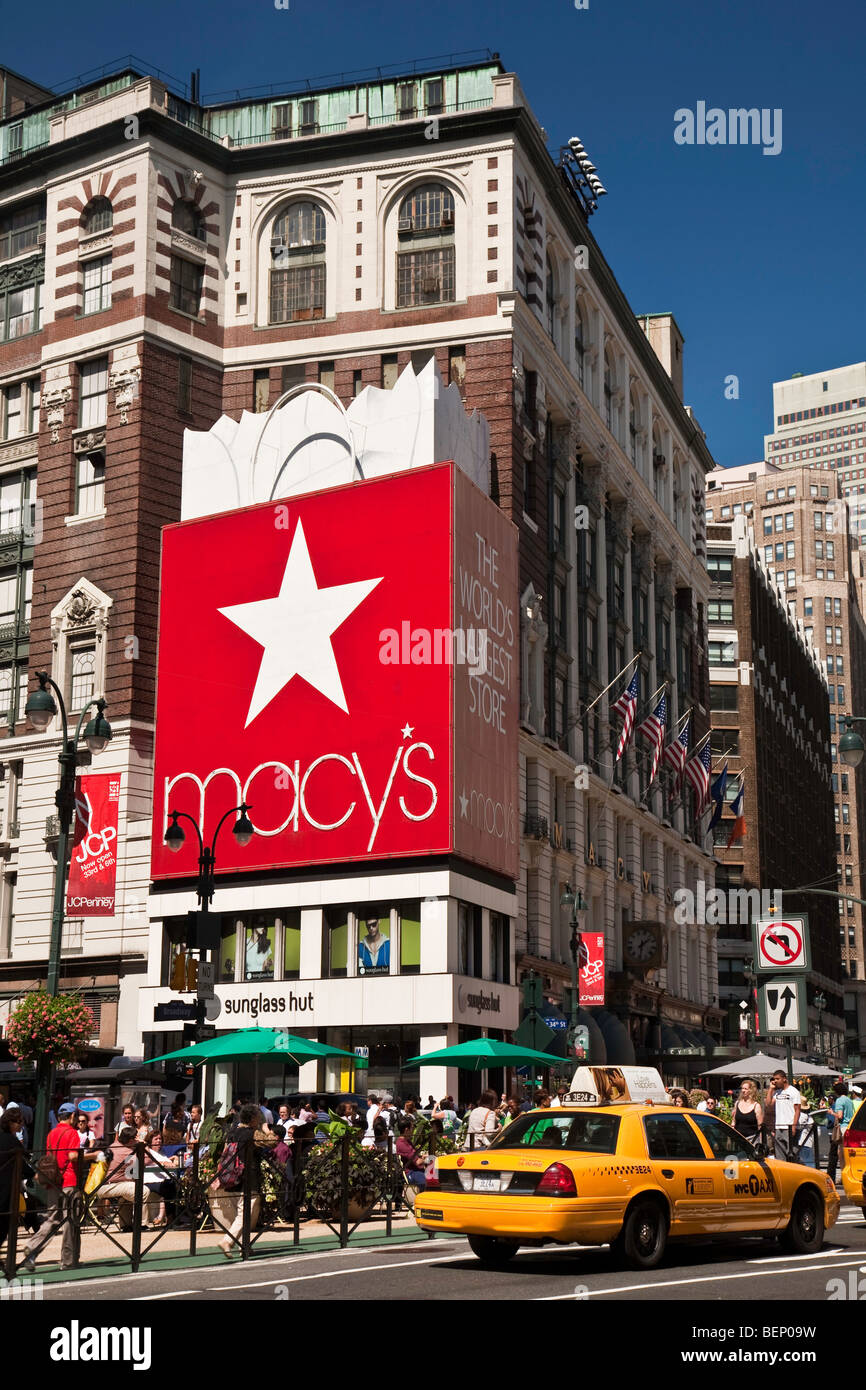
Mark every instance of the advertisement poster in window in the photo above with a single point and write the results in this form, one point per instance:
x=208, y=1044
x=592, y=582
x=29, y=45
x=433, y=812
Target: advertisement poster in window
x=90, y=889
x=374, y=945
x=259, y=950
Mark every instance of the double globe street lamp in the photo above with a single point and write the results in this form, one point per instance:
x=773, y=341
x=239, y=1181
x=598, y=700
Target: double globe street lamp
x=40, y=709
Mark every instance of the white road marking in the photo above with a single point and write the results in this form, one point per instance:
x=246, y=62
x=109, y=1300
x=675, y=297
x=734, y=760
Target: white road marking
x=152, y=1297
x=819, y=1255
x=329, y=1274
x=678, y=1283
x=259, y=1264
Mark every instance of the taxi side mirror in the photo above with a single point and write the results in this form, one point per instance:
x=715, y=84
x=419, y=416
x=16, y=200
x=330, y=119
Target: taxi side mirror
x=760, y=1149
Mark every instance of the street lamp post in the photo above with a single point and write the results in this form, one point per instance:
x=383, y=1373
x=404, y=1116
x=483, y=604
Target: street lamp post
x=575, y=902
x=820, y=1002
x=243, y=831
x=40, y=709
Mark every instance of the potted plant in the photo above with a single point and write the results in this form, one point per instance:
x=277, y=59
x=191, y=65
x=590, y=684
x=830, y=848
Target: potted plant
x=368, y=1172
x=48, y=1028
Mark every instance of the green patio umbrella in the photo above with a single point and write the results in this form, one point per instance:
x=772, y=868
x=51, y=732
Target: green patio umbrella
x=482, y=1053
x=256, y=1042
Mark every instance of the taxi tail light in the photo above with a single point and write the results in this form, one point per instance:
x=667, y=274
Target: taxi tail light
x=431, y=1175
x=854, y=1139
x=557, y=1181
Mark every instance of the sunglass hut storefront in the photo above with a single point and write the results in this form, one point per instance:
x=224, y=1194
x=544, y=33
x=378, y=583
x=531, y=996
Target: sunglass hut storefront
x=373, y=909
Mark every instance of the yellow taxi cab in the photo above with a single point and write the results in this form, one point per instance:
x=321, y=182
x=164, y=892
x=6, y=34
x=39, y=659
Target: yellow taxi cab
x=617, y=1164
x=854, y=1159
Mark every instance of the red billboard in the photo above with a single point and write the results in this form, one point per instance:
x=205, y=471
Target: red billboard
x=90, y=888
x=317, y=660
x=591, y=982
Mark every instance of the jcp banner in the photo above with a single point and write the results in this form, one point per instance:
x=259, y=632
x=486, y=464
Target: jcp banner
x=591, y=969
x=93, y=865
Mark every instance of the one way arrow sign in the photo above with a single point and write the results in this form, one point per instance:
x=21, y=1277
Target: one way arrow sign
x=782, y=1005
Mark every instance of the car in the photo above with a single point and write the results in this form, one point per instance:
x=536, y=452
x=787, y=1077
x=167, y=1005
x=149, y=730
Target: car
x=634, y=1174
x=854, y=1160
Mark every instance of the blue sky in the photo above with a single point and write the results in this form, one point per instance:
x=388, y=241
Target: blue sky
x=759, y=257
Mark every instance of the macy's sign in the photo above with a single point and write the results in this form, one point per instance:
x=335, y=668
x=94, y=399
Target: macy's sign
x=289, y=778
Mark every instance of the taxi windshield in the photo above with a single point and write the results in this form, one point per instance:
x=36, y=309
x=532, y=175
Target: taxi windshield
x=587, y=1132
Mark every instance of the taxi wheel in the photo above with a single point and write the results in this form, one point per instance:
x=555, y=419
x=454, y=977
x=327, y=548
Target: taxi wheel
x=493, y=1250
x=643, y=1238
x=804, y=1233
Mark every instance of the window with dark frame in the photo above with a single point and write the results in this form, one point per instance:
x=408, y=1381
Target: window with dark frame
x=297, y=276
x=184, y=385
x=98, y=217
x=281, y=121
x=97, y=285
x=186, y=218
x=187, y=278
x=425, y=252
x=82, y=674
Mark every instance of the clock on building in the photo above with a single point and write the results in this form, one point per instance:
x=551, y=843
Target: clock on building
x=642, y=945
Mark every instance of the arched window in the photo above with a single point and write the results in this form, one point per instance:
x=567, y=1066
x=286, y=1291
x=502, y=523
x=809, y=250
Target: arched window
x=425, y=247
x=550, y=298
x=98, y=217
x=297, y=277
x=658, y=463
x=185, y=217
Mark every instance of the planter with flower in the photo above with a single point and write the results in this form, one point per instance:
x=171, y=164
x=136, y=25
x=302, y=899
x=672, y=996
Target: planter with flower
x=49, y=1029
x=369, y=1172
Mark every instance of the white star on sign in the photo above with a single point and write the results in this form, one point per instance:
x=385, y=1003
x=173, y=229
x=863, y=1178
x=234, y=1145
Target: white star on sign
x=406, y=731
x=464, y=803
x=295, y=629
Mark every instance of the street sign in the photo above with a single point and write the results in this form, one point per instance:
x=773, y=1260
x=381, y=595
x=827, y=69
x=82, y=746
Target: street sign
x=555, y=1021
x=781, y=943
x=174, y=1011
x=206, y=977
x=782, y=1005
x=533, y=1032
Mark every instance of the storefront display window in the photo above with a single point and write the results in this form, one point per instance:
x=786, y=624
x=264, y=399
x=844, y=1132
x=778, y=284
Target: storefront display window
x=410, y=938
x=228, y=972
x=292, y=946
x=336, y=942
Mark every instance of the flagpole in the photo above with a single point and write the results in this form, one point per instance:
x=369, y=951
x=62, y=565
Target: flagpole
x=617, y=677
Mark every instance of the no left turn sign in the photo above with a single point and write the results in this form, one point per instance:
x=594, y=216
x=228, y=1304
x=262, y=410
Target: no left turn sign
x=782, y=943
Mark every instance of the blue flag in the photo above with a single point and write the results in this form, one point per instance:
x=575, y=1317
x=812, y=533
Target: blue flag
x=718, y=794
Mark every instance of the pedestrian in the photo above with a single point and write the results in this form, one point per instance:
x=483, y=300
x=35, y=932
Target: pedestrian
x=510, y=1111
x=557, y=1101
x=413, y=1163
x=86, y=1135
x=142, y=1126
x=787, y=1103
x=10, y=1144
x=267, y=1112
x=226, y=1192
x=193, y=1129
x=57, y=1172
x=840, y=1102
x=14, y=1108
x=482, y=1124
x=120, y=1182
x=447, y=1115
x=748, y=1114
x=431, y=1104
x=806, y=1137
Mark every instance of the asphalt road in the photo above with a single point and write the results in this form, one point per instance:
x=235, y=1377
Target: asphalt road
x=445, y=1270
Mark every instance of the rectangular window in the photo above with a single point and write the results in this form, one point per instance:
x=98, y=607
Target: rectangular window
x=292, y=945
x=778, y=521
x=768, y=525
x=828, y=606
x=410, y=938
x=336, y=941
x=819, y=550
x=434, y=96
x=726, y=743
x=309, y=116
x=82, y=675
x=425, y=277
x=500, y=947
x=97, y=285
x=723, y=697
x=720, y=568
x=721, y=653
x=327, y=375
x=828, y=636
x=21, y=228
x=228, y=951
x=405, y=101
x=830, y=548
x=837, y=607
x=792, y=579
x=184, y=385
x=789, y=521
x=186, y=286
x=259, y=945
x=298, y=294
x=819, y=521
x=720, y=610
x=20, y=312
x=840, y=694
x=390, y=370
x=469, y=939
x=281, y=121
x=93, y=393
x=789, y=550
x=838, y=636
x=90, y=484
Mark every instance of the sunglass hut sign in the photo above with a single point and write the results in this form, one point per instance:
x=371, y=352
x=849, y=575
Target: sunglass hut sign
x=278, y=688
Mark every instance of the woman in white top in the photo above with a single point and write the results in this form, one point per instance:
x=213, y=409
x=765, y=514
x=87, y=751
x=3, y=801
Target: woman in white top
x=483, y=1123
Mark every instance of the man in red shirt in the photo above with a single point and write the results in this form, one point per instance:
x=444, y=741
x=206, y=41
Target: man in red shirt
x=64, y=1144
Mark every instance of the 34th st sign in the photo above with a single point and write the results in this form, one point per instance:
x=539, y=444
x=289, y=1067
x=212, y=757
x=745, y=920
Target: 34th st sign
x=782, y=943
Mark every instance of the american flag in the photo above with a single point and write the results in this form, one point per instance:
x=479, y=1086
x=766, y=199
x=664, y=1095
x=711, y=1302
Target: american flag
x=675, y=754
x=698, y=773
x=625, y=707
x=653, y=728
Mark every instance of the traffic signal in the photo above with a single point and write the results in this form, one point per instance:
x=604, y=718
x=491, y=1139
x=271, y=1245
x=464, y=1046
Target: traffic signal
x=532, y=998
x=178, y=972
x=191, y=973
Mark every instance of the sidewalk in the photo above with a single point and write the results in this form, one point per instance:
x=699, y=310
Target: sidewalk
x=101, y=1258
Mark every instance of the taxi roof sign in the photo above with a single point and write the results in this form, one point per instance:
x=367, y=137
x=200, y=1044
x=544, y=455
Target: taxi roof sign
x=616, y=1086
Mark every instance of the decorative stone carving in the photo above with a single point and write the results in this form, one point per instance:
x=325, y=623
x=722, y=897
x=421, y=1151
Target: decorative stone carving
x=88, y=441
x=13, y=277
x=54, y=402
x=124, y=378
x=80, y=609
x=189, y=245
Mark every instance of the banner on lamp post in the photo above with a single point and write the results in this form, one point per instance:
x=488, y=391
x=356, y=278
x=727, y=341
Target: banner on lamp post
x=90, y=890
x=591, y=975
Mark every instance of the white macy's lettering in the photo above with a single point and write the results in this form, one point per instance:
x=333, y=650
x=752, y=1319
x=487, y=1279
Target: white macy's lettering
x=290, y=776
